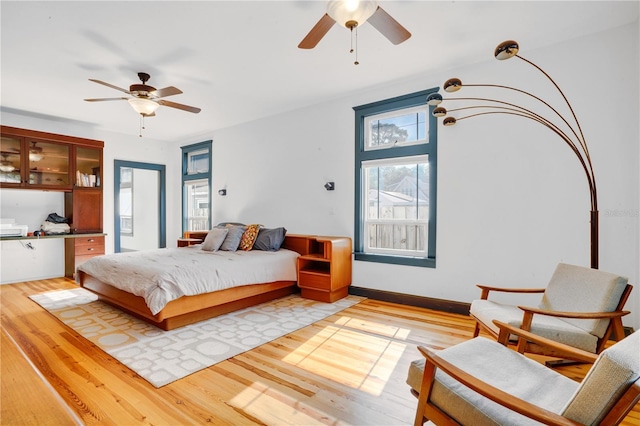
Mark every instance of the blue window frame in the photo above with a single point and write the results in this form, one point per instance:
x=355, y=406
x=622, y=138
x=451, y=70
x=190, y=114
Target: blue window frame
x=196, y=186
x=395, y=181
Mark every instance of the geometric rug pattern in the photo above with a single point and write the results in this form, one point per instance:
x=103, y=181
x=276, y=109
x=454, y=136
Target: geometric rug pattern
x=161, y=357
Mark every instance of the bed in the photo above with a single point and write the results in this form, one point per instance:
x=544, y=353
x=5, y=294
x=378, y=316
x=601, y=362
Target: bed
x=190, y=308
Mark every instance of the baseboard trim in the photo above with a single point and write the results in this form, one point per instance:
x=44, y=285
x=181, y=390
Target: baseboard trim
x=412, y=300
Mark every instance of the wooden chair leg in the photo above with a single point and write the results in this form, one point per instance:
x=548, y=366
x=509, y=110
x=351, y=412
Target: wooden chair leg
x=476, y=331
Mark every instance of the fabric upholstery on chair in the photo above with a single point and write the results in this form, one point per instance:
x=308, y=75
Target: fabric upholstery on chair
x=501, y=367
x=579, y=289
x=614, y=371
x=571, y=289
x=550, y=327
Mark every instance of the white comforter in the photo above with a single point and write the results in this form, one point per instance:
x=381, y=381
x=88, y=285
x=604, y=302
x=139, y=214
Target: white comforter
x=162, y=275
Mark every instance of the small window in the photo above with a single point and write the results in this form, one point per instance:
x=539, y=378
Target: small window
x=198, y=162
x=196, y=187
x=197, y=198
x=396, y=206
x=403, y=127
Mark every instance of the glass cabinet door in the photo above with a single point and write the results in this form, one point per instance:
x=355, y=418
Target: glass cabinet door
x=10, y=160
x=88, y=167
x=48, y=164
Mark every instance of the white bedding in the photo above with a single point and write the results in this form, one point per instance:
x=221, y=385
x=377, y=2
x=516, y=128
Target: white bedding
x=163, y=275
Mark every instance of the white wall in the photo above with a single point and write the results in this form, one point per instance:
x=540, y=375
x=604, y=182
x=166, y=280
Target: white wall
x=513, y=200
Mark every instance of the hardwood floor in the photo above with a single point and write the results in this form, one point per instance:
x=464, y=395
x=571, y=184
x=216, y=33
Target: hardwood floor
x=347, y=369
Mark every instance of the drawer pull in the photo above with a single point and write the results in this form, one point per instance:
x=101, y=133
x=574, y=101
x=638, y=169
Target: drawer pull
x=91, y=240
x=90, y=249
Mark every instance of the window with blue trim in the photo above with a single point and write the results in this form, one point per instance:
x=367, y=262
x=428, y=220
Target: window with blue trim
x=396, y=164
x=196, y=187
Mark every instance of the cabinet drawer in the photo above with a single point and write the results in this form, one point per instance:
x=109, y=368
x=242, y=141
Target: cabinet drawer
x=89, y=250
x=89, y=246
x=314, y=280
x=89, y=241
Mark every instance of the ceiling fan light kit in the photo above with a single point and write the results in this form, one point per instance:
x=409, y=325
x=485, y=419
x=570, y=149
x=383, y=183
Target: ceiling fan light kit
x=143, y=106
x=352, y=14
x=346, y=13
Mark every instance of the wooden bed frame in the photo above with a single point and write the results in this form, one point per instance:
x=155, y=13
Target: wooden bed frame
x=189, y=309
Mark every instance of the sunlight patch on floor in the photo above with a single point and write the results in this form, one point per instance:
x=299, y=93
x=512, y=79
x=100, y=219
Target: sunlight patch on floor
x=280, y=407
x=348, y=353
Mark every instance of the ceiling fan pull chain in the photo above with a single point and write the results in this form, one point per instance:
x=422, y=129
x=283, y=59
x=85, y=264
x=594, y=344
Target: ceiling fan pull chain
x=356, y=61
x=141, y=125
x=352, y=25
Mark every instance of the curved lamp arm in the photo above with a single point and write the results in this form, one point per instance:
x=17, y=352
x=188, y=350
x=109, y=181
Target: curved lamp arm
x=506, y=50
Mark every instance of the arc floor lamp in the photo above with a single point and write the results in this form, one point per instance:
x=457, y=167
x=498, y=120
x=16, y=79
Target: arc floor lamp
x=569, y=132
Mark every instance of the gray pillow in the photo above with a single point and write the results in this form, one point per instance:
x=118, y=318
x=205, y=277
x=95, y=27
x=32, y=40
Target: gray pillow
x=269, y=239
x=232, y=240
x=214, y=239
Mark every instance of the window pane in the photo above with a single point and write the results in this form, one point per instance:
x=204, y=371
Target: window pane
x=385, y=131
x=198, y=162
x=197, y=197
x=126, y=201
x=397, y=206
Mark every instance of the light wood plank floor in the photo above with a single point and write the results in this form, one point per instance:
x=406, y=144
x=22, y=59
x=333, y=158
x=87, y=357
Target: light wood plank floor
x=347, y=369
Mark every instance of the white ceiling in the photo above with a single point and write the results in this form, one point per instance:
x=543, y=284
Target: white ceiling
x=239, y=61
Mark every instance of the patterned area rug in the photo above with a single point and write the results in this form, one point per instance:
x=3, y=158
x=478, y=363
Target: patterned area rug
x=161, y=357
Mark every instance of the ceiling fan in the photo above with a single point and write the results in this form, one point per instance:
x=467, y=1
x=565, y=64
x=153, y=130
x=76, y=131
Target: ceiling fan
x=351, y=14
x=146, y=99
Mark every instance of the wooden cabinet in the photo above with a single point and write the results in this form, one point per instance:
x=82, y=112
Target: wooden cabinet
x=83, y=208
x=80, y=249
x=324, y=267
x=31, y=159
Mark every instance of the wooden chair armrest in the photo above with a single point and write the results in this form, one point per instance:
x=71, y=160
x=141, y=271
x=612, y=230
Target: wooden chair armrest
x=575, y=315
x=494, y=394
x=506, y=330
x=486, y=289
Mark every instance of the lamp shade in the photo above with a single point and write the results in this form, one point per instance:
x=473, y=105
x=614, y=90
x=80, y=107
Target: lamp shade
x=439, y=112
x=452, y=85
x=343, y=11
x=449, y=121
x=434, y=99
x=143, y=106
x=506, y=49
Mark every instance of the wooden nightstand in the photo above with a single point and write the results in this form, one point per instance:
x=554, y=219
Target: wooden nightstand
x=186, y=242
x=190, y=238
x=324, y=270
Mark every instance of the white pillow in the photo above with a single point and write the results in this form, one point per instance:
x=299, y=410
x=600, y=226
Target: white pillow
x=214, y=239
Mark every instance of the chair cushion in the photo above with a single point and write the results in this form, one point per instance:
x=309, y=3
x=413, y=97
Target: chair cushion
x=501, y=367
x=580, y=289
x=550, y=327
x=613, y=372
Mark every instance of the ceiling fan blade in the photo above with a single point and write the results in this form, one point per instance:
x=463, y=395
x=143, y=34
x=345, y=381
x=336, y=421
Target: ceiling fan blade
x=110, y=85
x=317, y=32
x=167, y=91
x=105, y=99
x=179, y=106
x=389, y=27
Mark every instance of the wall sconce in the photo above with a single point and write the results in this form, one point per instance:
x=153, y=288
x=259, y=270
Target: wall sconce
x=569, y=133
x=329, y=186
x=222, y=192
